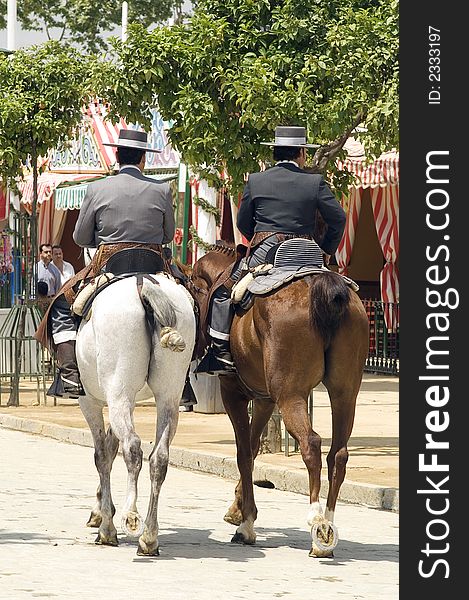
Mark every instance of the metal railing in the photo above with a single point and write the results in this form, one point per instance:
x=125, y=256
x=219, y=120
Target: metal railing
x=383, y=348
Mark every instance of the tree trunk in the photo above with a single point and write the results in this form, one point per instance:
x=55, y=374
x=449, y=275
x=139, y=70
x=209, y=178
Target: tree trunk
x=14, y=399
x=31, y=286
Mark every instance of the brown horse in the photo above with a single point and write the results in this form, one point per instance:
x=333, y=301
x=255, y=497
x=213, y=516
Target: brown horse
x=309, y=331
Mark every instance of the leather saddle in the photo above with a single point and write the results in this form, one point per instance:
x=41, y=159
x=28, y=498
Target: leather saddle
x=291, y=259
x=122, y=264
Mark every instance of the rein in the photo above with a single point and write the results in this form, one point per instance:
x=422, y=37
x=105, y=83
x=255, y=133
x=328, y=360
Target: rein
x=194, y=287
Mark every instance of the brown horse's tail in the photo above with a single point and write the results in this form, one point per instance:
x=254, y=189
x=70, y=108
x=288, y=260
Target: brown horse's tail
x=330, y=297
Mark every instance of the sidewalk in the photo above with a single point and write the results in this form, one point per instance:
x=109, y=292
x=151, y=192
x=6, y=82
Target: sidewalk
x=205, y=442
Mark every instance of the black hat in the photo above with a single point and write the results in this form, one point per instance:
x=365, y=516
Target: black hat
x=132, y=138
x=290, y=136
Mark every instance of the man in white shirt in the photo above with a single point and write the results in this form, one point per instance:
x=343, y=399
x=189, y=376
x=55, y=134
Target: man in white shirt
x=66, y=269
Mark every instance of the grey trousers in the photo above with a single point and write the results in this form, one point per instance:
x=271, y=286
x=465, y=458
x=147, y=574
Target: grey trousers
x=222, y=311
x=62, y=323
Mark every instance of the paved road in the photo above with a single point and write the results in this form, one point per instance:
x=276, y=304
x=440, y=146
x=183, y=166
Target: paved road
x=47, y=490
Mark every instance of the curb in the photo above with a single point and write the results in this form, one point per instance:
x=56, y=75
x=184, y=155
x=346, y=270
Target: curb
x=289, y=480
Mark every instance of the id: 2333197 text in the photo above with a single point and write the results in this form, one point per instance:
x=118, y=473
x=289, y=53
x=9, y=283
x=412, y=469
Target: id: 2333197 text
x=434, y=94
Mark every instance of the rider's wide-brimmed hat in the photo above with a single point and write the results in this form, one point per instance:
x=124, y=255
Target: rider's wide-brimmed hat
x=290, y=136
x=132, y=138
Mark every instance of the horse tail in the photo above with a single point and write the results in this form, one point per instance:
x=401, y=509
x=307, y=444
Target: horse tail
x=330, y=298
x=164, y=316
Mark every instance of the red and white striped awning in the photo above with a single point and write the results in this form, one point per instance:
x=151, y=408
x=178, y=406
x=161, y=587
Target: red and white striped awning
x=382, y=176
x=46, y=184
x=382, y=172
x=105, y=132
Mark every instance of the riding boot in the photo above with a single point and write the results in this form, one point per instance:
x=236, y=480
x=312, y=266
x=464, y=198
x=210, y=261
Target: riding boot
x=67, y=382
x=218, y=360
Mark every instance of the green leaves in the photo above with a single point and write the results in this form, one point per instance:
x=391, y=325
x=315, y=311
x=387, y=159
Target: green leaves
x=82, y=22
x=237, y=68
x=44, y=88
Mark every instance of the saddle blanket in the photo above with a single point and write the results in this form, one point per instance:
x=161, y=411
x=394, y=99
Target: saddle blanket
x=267, y=278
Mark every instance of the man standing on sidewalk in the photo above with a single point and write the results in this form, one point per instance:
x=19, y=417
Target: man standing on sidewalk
x=47, y=272
x=66, y=269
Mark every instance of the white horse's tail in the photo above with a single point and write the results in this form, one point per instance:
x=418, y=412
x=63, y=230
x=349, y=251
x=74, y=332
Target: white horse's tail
x=164, y=314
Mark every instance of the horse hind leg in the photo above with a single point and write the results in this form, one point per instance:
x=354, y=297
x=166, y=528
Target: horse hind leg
x=343, y=413
x=105, y=450
x=168, y=415
x=297, y=422
x=122, y=424
x=111, y=445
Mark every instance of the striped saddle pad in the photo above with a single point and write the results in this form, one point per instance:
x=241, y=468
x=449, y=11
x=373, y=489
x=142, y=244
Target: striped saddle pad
x=291, y=259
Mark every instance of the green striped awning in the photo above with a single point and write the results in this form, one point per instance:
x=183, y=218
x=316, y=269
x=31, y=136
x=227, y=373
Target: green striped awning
x=69, y=197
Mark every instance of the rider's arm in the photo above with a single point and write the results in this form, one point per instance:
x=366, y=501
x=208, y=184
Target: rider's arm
x=334, y=216
x=168, y=220
x=84, y=232
x=246, y=221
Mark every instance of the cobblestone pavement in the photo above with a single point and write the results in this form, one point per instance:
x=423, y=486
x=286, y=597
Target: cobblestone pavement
x=46, y=550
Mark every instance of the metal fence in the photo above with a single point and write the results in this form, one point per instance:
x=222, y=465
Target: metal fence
x=383, y=350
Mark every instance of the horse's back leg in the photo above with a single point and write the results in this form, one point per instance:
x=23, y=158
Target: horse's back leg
x=345, y=361
x=343, y=386
x=261, y=413
x=293, y=405
x=105, y=450
x=167, y=405
x=122, y=424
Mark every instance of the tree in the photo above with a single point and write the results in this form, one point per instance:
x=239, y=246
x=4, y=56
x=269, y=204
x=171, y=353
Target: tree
x=237, y=68
x=83, y=21
x=43, y=91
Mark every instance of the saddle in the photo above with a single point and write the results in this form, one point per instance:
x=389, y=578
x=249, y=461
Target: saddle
x=291, y=259
x=122, y=264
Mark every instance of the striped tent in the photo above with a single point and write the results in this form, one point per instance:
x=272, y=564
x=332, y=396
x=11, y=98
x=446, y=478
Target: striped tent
x=382, y=177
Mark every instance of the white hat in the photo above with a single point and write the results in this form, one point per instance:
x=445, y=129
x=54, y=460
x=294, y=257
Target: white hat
x=290, y=136
x=132, y=138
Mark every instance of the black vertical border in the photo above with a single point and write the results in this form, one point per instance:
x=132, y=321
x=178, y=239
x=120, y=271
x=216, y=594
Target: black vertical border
x=424, y=128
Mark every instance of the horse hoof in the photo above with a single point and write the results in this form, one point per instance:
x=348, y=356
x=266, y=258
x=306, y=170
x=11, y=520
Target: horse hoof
x=102, y=541
x=239, y=538
x=324, y=539
x=145, y=551
x=132, y=524
x=233, y=518
x=95, y=520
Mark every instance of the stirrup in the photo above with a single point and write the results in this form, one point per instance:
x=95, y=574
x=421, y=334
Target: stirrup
x=212, y=365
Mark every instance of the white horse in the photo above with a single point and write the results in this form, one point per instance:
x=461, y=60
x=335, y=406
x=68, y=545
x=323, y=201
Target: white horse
x=121, y=360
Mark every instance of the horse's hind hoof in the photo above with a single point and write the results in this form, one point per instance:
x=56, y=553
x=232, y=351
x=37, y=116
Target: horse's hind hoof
x=112, y=541
x=324, y=539
x=239, y=538
x=146, y=552
x=132, y=524
x=95, y=520
x=233, y=518
x=313, y=554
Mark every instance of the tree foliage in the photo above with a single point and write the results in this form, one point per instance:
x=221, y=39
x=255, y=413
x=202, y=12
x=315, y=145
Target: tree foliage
x=237, y=68
x=83, y=21
x=43, y=91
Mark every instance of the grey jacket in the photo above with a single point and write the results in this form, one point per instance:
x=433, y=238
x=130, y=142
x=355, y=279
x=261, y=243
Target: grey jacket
x=127, y=207
x=285, y=198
